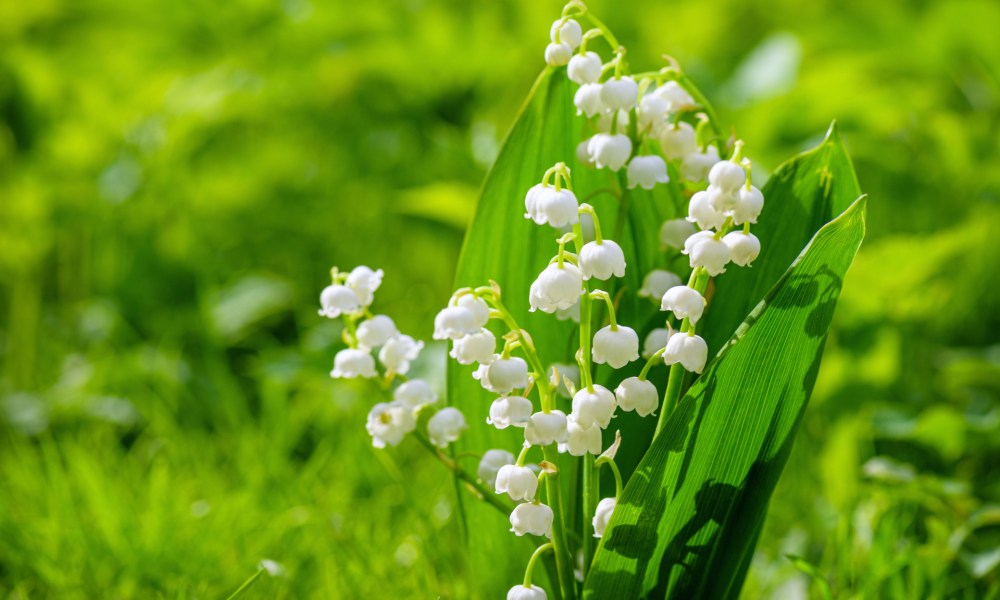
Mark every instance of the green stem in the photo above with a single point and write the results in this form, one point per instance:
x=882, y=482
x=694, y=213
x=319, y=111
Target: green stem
x=649, y=363
x=486, y=495
x=531, y=562
x=564, y=562
x=590, y=493
x=606, y=297
x=586, y=377
x=246, y=585
x=618, y=479
x=672, y=395
x=544, y=389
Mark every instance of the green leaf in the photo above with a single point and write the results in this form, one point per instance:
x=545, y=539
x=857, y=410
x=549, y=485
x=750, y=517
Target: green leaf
x=690, y=516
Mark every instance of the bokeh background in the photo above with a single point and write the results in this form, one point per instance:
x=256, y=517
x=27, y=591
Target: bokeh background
x=177, y=177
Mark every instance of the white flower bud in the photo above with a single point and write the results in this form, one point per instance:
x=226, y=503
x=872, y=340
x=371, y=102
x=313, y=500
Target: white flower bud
x=532, y=518
x=557, y=208
x=508, y=411
x=620, y=94
x=617, y=347
x=678, y=141
x=611, y=151
x=490, y=464
x=656, y=283
x=689, y=350
x=477, y=306
x=566, y=372
x=696, y=165
x=674, y=232
x=701, y=211
x=336, y=300
x=520, y=592
x=588, y=100
x=454, y=322
x=446, y=426
x=602, y=515
x=639, y=395
x=363, y=282
x=685, y=302
x=350, y=363
x=567, y=32
x=397, y=353
x=593, y=407
x=520, y=483
x=677, y=98
x=727, y=175
x=748, y=205
x=655, y=341
x=646, y=172
x=696, y=239
x=557, y=287
x=601, y=260
x=743, y=247
x=584, y=68
x=652, y=112
x=415, y=393
x=376, y=331
x=613, y=119
x=710, y=253
x=507, y=374
x=389, y=422
x=475, y=348
x=546, y=427
x=581, y=440
x=558, y=55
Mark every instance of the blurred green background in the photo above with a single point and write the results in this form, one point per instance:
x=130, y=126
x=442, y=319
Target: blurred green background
x=176, y=178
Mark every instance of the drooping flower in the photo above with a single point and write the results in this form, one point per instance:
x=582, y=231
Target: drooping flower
x=685, y=302
x=588, y=100
x=350, y=363
x=701, y=211
x=656, y=283
x=646, y=172
x=558, y=55
x=602, y=515
x=651, y=113
x=637, y=394
x=616, y=346
x=689, y=350
x=376, y=331
x=601, y=260
x=397, y=353
x=532, y=518
x=581, y=440
x=454, y=322
x=415, y=393
x=336, y=300
x=507, y=374
x=727, y=175
x=446, y=426
x=678, y=140
x=566, y=31
x=696, y=165
x=611, y=151
x=520, y=592
x=584, y=68
x=475, y=348
x=477, y=306
x=593, y=407
x=490, y=464
x=388, y=422
x=520, y=483
x=674, y=232
x=710, y=253
x=676, y=97
x=549, y=206
x=557, y=287
x=510, y=411
x=364, y=282
x=620, y=94
x=546, y=427
x=748, y=205
x=743, y=247
x=655, y=341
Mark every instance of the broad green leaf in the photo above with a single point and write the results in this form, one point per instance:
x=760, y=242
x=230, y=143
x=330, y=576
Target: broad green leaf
x=690, y=515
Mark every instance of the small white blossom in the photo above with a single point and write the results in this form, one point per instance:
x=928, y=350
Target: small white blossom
x=558, y=55
x=701, y=211
x=584, y=68
x=547, y=205
x=415, y=393
x=655, y=341
x=611, y=151
x=588, y=100
x=507, y=374
x=446, y=426
x=491, y=463
x=454, y=322
x=685, y=302
x=620, y=94
x=637, y=394
x=475, y=348
x=593, y=407
x=689, y=350
x=646, y=172
x=567, y=32
x=510, y=411
x=696, y=239
x=674, y=232
x=546, y=427
x=376, y=331
x=336, y=300
x=743, y=247
x=651, y=113
x=678, y=141
x=727, y=175
x=389, y=422
x=532, y=518
x=557, y=287
x=602, y=515
x=477, y=306
x=748, y=205
x=567, y=372
x=696, y=165
x=350, y=363
x=676, y=97
x=720, y=199
x=656, y=283
x=520, y=483
x=363, y=281
x=581, y=440
x=601, y=260
x=616, y=346
x=710, y=253
x=520, y=592
x=397, y=353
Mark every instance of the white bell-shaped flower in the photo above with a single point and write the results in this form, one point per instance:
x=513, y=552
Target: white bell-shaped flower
x=520, y=592
x=490, y=464
x=727, y=175
x=720, y=199
x=743, y=247
x=350, y=363
x=567, y=32
x=593, y=407
x=602, y=515
x=685, y=302
x=701, y=211
x=557, y=287
x=546, y=427
x=415, y=393
x=656, y=283
x=695, y=239
x=616, y=120
x=620, y=94
x=611, y=151
x=569, y=375
x=397, y=353
x=696, y=165
x=510, y=411
x=655, y=341
x=557, y=208
x=674, y=232
x=558, y=55
x=477, y=306
x=337, y=300
x=482, y=375
x=532, y=518
x=678, y=140
x=651, y=113
x=363, y=282
x=710, y=253
x=601, y=260
x=588, y=100
x=584, y=68
x=677, y=98
x=748, y=205
x=475, y=348
x=376, y=331
x=446, y=426
x=507, y=374
x=581, y=440
x=617, y=346
x=637, y=394
x=520, y=483
x=689, y=350
x=454, y=322
x=646, y=172
x=389, y=422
